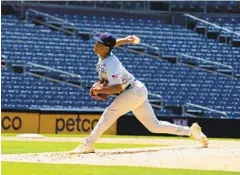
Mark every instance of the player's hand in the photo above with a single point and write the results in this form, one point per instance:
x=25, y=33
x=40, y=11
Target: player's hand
x=133, y=39
x=95, y=91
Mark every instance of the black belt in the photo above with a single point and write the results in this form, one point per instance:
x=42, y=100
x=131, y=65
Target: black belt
x=128, y=87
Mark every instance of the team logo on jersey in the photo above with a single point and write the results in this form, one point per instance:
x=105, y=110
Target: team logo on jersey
x=100, y=68
x=97, y=67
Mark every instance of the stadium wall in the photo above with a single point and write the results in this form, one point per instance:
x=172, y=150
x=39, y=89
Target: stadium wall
x=217, y=127
x=55, y=122
x=51, y=122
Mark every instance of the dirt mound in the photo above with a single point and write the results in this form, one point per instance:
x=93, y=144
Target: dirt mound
x=221, y=155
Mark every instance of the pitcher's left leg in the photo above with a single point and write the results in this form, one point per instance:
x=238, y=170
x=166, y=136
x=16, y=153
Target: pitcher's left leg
x=146, y=116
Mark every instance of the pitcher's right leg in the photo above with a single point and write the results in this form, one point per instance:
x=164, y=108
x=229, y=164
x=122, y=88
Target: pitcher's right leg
x=124, y=103
x=108, y=117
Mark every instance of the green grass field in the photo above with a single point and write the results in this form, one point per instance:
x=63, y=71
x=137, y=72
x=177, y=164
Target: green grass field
x=59, y=169
x=11, y=147
x=10, y=168
x=121, y=136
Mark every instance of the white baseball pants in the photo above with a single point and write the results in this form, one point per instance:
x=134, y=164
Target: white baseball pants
x=134, y=99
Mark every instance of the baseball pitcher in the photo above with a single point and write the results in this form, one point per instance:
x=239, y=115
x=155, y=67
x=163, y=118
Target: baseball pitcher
x=132, y=95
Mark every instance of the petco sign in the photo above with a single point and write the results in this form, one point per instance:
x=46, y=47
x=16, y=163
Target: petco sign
x=17, y=122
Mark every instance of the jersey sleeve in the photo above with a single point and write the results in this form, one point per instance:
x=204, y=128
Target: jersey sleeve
x=114, y=74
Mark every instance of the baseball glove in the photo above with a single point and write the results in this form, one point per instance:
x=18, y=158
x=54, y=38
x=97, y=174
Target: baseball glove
x=100, y=96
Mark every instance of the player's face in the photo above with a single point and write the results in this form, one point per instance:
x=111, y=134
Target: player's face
x=100, y=48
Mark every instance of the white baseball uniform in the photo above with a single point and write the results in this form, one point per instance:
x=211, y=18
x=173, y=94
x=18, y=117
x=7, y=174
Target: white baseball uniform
x=133, y=98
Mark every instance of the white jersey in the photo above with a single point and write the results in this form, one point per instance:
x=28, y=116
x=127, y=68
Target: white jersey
x=112, y=70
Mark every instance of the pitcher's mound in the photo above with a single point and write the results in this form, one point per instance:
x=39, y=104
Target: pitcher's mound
x=216, y=157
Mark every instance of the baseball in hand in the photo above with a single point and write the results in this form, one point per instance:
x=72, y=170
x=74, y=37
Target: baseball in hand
x=136, y=40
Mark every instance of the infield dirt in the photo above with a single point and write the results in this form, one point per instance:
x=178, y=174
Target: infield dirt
x=182, y=153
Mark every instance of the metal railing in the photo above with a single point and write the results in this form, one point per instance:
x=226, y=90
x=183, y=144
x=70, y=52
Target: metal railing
x=186, y=113
x=215, y=65
x=212, y=24
x=61, y=75
x=34, y=14
x=49, y=16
